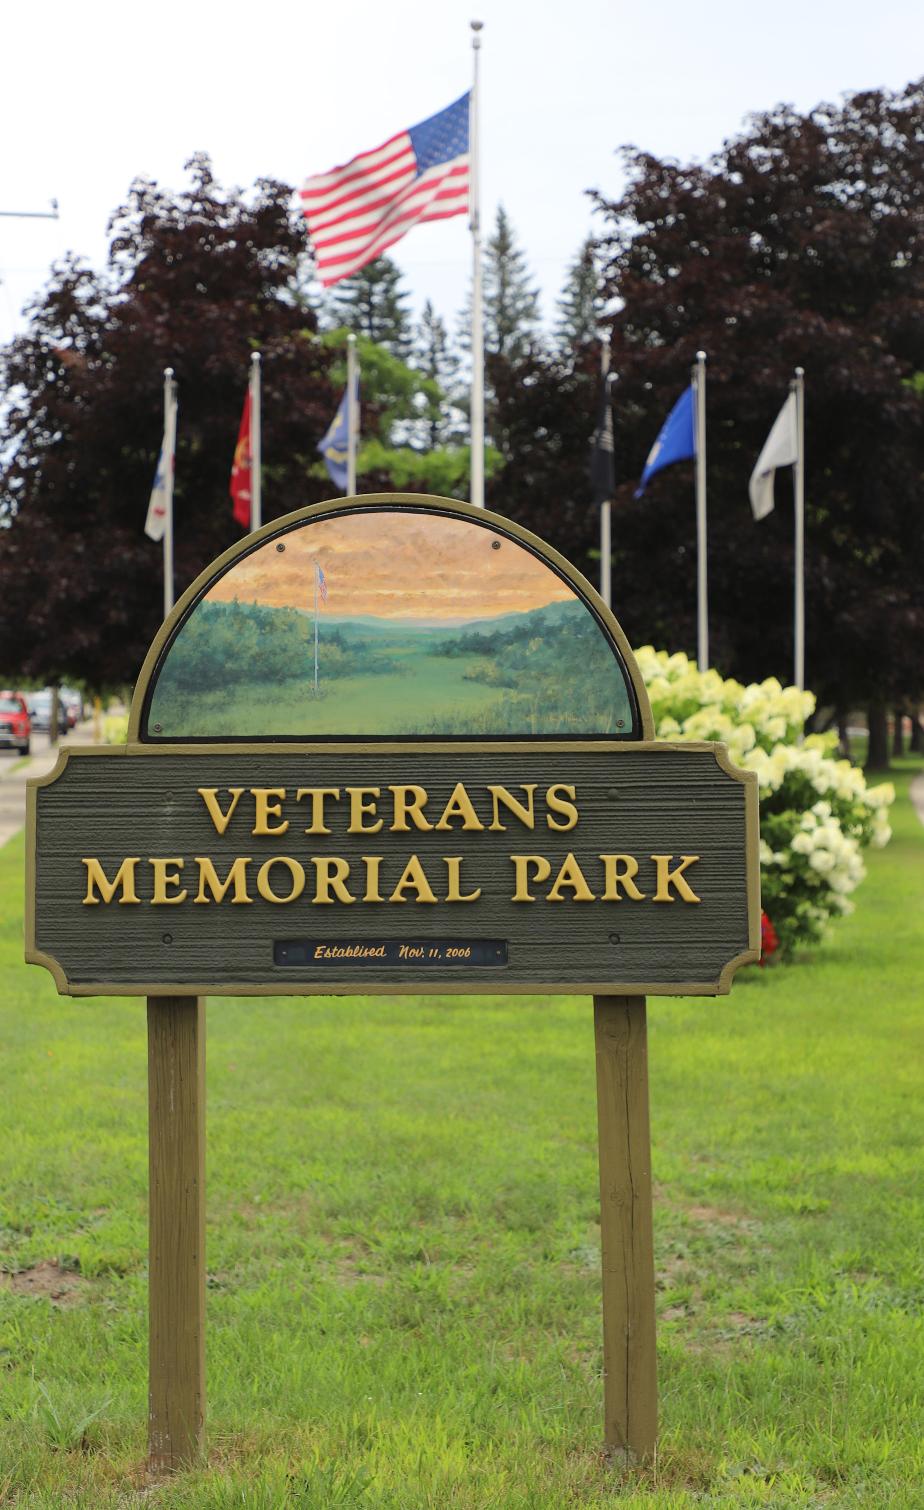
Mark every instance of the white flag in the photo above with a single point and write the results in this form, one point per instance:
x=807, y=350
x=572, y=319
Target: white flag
x=781, y=449
x=162, y=492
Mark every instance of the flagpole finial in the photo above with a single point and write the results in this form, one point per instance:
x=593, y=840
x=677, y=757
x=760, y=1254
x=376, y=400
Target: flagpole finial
x=351, y=339
x=255, y=359
x=800, y=372
x=476, y=27
x=701, y=356
x=168, y=373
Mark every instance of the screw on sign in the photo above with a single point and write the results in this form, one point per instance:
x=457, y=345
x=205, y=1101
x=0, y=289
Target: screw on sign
x=494, y=816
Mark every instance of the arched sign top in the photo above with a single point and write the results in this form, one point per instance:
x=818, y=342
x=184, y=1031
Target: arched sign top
x=389, y=616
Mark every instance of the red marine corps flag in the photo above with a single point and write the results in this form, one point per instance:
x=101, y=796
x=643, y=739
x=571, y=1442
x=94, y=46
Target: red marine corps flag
x=241, y=469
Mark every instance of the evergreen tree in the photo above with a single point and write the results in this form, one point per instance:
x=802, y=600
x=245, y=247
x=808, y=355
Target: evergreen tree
x=372, y=304
x=511, y=306
x=582, y=305
x=436, y=360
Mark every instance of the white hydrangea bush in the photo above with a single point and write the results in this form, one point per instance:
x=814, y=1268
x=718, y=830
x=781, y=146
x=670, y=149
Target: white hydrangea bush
x=817, y=813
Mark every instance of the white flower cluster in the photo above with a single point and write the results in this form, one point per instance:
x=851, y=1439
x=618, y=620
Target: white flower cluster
x=817, y=812
x=691, y=704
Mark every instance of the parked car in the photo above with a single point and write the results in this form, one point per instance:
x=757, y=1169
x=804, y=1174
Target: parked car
x=15, y=723
x=40, y=709
x=73, y=704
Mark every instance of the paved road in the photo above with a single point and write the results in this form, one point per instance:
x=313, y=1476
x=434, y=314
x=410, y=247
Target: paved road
x=13, y=777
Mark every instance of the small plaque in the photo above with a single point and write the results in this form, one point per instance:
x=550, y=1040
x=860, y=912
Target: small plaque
x=407, y=953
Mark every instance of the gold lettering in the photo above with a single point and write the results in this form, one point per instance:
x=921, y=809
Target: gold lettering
x=331, y=873
x=317, y=795
x=373, y=864
x=522, y=810
x=571, y=875
x=296, y=873
x=409, y=806
x=614, y=877
x=236, y=877
x=209, y=795
x=164, y=878
x=561, y=805
x=668, y=878
x=454, y=893
x=264, y=810
x=460, y=806
x=124, y=877
x=521, y=870
x=413, y=876
x=359, y=808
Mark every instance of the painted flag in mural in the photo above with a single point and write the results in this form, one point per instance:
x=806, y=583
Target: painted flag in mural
x=363, y=207
x=676, y=440
x=162, y=491
x=239, y=487
x=781, y=449
x=322, y=582
x=334, y=446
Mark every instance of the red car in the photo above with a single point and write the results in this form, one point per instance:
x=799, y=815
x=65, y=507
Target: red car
x=15, y=724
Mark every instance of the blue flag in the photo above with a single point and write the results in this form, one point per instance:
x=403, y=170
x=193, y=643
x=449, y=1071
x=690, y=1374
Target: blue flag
x=676, y=439
x=333, y=446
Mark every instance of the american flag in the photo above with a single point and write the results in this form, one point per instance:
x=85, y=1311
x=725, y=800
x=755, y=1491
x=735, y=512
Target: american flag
x=358, y=210
x=322, y=583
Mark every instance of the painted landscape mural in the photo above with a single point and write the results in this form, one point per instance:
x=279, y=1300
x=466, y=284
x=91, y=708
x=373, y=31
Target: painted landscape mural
x=392, y=623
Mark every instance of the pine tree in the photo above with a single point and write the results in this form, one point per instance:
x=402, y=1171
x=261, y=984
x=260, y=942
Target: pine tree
x=435, y=359
x=372, y=304
x=511, y=306
x=581, y=306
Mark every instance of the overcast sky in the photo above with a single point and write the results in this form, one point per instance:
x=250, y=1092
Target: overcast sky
x=98, y=93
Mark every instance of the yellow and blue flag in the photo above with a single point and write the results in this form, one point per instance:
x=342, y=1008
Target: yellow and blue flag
x=334, y=446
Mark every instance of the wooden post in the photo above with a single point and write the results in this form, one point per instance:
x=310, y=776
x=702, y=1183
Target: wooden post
x=630, y=1385
x=176, y=1294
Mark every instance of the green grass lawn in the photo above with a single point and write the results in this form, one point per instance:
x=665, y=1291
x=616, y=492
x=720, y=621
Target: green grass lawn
x=403, y=1251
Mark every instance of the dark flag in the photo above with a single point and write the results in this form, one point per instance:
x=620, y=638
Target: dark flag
x=602, y=457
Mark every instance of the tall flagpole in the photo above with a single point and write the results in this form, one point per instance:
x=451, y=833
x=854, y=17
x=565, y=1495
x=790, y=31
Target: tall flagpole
x=702, y=585
x=606, y=544
x=170, y=447
x=474, y=223
x=797, y=386
x=256, y=445
x=352, y=416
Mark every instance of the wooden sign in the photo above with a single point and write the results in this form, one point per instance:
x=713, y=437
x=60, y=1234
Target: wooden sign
x=546, y=867
x=392, y=743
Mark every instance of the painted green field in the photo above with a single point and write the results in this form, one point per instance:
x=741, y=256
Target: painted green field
x=403, y=1243
x=245, y=668
x=389, y=703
